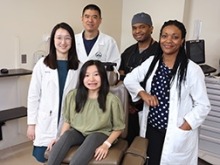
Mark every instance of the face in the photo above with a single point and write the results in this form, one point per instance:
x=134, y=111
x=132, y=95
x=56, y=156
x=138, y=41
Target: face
x=91, y=20
x=92, y=79
x=141, y=32
x=62, y=41
x=171, y=40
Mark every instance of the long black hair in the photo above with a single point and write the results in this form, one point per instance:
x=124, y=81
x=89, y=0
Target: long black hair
x=51, y=58
x=181, y=62
x=82, y=91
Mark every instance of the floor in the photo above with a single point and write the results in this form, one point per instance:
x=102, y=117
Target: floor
x=18, y=155
x=21, y=154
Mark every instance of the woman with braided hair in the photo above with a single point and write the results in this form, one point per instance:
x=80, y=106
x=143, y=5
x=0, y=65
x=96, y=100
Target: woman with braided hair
x=175, y=99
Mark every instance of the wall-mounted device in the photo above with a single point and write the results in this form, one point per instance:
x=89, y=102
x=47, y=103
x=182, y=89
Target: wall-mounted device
x=38, y=54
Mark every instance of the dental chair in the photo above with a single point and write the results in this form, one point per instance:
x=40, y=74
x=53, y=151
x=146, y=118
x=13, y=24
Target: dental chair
x=120, y=153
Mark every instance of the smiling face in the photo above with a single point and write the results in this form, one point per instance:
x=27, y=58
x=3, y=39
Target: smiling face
x=171, y=40
x=91, y=20
x=62, y=42
x=141, y=32
x=92, y=79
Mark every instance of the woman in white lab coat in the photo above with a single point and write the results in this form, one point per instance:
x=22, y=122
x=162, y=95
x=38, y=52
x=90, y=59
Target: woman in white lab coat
x=53, y=77
x=175, y=100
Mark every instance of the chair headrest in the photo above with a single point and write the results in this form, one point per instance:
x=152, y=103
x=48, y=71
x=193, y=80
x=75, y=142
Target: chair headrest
x=112, y=77
x=109, y=66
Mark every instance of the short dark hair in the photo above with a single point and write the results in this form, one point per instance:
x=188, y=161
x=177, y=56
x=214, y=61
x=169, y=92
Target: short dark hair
x=92, y=7
x=82, y=92
x=73, y=61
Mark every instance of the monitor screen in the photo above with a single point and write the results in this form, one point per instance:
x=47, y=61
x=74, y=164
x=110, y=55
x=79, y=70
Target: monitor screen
x=196, y=50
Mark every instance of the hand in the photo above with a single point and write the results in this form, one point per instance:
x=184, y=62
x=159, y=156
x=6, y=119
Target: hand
x=101, y=152
x=185, y=126
x=31, y=132
x=49, y=147
x=149, y=99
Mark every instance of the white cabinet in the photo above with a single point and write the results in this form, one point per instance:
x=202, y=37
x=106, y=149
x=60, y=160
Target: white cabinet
x=209, y=139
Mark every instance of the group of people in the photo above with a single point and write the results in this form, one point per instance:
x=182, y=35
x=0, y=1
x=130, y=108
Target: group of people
x=69, y=93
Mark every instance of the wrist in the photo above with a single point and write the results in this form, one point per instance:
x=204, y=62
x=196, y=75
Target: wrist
x=107, y=143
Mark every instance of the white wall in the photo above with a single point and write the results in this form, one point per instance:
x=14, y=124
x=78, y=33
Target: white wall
x=209, y=13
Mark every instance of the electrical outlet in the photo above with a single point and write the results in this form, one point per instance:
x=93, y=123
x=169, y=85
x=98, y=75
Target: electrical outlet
x=23, y=58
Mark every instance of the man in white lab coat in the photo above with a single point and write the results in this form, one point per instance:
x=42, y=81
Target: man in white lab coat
x=93, y=44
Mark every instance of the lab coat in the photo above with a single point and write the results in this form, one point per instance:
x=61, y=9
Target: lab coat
x=43, y=101
x=180, y=147
x=105, y=49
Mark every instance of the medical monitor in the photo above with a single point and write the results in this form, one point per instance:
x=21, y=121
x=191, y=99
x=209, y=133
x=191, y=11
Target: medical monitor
x=196, y=50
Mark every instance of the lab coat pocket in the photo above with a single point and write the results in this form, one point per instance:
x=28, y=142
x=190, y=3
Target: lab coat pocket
x=45, y=122
x=183, y=141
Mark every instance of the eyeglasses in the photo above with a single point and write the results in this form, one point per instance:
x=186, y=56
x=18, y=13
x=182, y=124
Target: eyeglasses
x=60, y=39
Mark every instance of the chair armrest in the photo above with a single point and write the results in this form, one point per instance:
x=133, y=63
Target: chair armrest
x=137, y=152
